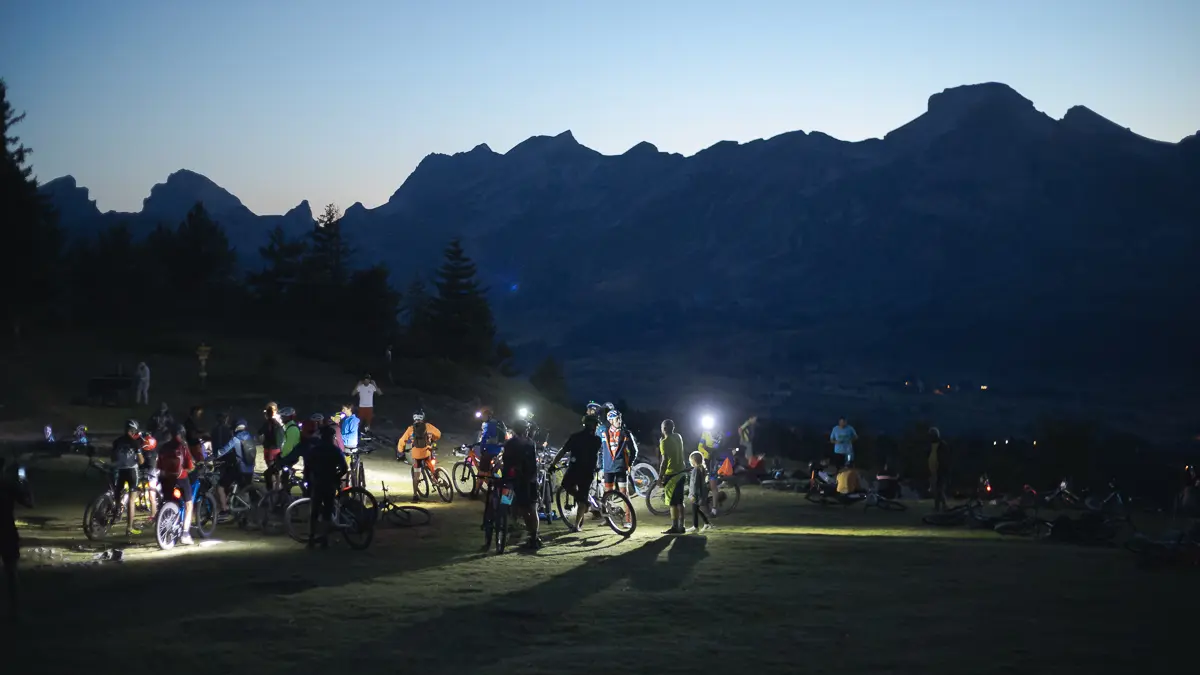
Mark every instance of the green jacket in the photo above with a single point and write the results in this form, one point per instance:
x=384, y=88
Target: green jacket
x=291, y=438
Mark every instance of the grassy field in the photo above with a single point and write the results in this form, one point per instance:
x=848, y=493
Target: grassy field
x=780, y=586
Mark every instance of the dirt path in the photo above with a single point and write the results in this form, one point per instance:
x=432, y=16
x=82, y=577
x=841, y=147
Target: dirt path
x=781, y=586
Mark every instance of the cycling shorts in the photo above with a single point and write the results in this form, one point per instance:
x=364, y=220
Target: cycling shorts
x=577, y=482
x=270, y=455
x=418, y=462
x=185, y=489
x=611, y=478
x=127, y=479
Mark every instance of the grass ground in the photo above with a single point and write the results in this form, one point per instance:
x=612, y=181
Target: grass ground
x=781, y=586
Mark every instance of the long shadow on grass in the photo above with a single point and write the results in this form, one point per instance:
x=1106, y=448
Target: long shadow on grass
x=544, y=609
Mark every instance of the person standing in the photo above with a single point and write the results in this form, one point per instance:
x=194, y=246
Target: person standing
x=520, y=467
x=842, y=437
x=939, y=468
x=699, y=487
x=348, y=428
x=11, y=494
x=366, y=390
x=672, y=472
x=143, y=384
x=581, y=451
x=324, y=467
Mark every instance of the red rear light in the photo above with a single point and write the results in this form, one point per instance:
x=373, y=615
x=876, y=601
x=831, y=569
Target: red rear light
x=177, y=493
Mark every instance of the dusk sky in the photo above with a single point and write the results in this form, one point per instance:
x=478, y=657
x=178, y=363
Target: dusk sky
x=338, y=101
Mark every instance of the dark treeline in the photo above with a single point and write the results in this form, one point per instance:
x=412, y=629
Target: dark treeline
x=184, y=278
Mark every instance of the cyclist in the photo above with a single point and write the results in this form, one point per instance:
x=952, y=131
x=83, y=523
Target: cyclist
x=126, y=458
x=222, y=432
x=271, y=433
x=195, y=432
x=236, y=458
x=709, y=444
x=348, y=428
x=174, y=462
x=287, y=449
x=520, y=467
x=582, y=450
x=324, y=467
x=150, y=469
x=620, y=451
x=491, y=437
x=424, y=437
x=672, y=469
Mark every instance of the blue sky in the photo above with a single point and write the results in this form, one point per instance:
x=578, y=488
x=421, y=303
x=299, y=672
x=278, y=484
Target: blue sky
x=284, y=100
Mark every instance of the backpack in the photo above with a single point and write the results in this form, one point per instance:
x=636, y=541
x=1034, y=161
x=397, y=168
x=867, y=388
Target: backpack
x=171, y=461
x=249, y=453
x=420, y=437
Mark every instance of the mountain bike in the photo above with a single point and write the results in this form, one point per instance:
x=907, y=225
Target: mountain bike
x=497, y=503
x=611, y=505
x=169, y=527
x=358, y=473
x=463, y=473
x=351, y=519
x=107, y=510
x=545, y=487
x=274, y=503
x=398, y=514
x=428, y=473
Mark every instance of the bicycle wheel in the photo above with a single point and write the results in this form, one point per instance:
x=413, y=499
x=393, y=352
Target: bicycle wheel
x=167, y=526
x=297, y=520
x=565, y=504
x=501, y=527
x=408, y=516
x=644, y=477
x=618, y=512
x=360, y=476
x=445, y=487
x=98, y=517
x=655, y=500
x=728, y=496
x=206, y=516
x=355, y=523
x=463, y=475
x=421, y=484
x=366, y=501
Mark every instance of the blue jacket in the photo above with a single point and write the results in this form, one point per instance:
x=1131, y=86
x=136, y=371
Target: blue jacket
x=619, y=456
x=244, y=449
x=350, y=431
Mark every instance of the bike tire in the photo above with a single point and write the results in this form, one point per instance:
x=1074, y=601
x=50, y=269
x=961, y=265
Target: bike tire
x=359, y=529
x=206, y=516
x=445, y=487
x=655, y=503
x=729, y=494
x=297, y=520
x=97, y=518
x=360, y=476
x=501, y=527
x=643, y=477
x=166, y=525
x=421, y=485
x=565, y=504
x=618, y=512
x=409, y=516
x=463, y=475
x=363, y=497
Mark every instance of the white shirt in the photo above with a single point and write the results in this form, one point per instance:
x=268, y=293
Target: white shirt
x=143, y=372
x=366, y=394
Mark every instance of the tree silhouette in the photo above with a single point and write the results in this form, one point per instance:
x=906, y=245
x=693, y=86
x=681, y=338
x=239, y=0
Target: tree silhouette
x=461, y=323
x=329, y=252
x=282, y=258
x=548, y=378
x=30, y=230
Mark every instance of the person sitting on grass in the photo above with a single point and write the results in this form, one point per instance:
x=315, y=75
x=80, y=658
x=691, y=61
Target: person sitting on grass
x=11, y=494
x=699, y=486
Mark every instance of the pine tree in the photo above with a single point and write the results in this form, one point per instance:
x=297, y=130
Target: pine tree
x=30, y=231
x=329, y=252
x=548, y=378
x=283, y=257
x=203, y=251
x=462, y=328
x=415, y=315
x=374, y=306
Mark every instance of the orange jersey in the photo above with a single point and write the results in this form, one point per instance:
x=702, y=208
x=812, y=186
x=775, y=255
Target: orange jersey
x=432, y=434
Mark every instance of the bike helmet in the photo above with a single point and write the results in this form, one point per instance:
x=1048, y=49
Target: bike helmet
x=613, y=415
x=240, y=425
x=316, y=417
x=180, y=430
x=592, y=406
x=419, y=416
x=288, y=413
x=131, y=425
x=610, y=406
